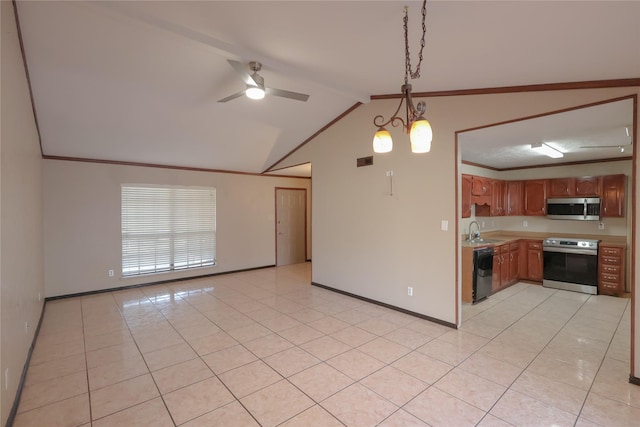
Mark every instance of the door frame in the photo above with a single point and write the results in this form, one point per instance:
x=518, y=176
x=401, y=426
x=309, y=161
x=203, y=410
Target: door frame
x=275, y=220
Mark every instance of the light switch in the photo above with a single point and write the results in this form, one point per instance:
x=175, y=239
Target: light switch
x=444, y=226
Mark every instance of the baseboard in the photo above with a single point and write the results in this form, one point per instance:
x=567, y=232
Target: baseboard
x=158, y=282
x=23, y=376
x=634, y=380
x=392, y=307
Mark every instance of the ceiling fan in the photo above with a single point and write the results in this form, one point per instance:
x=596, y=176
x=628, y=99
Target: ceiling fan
x=620, y=147
x=255, y=84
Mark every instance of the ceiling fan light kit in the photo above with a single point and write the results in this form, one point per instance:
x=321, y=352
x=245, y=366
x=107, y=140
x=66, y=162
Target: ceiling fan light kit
x=254, y=92
x=414, y=123
x=546, y=150
x=255, y=84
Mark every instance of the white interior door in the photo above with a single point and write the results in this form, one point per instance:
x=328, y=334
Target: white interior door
x=291, y=226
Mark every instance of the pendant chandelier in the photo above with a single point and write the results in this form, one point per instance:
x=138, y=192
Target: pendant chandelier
x=414, y=123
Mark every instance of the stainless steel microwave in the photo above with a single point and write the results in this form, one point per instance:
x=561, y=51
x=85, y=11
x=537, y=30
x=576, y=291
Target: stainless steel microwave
x=577, y=208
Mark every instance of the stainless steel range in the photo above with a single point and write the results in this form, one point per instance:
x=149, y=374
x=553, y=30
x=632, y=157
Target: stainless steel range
x=571, y=264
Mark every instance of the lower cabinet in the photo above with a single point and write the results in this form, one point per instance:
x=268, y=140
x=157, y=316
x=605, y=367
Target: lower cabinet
x=611, y=269
x=506, y=265
x=514, y=263
x=534, y=257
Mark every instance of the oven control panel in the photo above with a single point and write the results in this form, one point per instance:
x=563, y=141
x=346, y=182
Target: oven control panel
x=571, y=243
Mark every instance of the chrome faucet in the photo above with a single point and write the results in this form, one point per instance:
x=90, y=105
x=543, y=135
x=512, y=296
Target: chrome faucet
x=475, y=235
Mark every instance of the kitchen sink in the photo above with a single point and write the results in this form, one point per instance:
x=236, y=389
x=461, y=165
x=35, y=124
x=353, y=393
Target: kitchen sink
x=481, y=240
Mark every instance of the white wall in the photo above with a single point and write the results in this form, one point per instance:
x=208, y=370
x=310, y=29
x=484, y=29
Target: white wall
x=82, y=221
x=375, y=245
x=21, y=257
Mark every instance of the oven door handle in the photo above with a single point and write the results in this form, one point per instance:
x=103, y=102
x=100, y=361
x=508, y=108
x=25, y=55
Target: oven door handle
x=572, y=251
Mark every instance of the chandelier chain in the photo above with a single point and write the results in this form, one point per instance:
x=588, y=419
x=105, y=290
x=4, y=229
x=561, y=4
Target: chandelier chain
x=408, y=70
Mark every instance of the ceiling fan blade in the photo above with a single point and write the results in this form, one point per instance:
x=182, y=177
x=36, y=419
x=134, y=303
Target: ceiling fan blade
x=241, y=69
x=605, y=146
x=287, y=94
x=231, y=97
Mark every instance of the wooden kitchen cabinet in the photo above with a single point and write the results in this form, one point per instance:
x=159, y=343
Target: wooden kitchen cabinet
x=506, y=265
x=514, y=263
x=611, y=269
x=588, y=186
x=561, y=187
x=501, y=267
x=497, y=197
x=513, y=198
x=534, y=259
x=535, y=197
x=466, y=195
x=612, y=203
x=480, y=186
x=495, y=277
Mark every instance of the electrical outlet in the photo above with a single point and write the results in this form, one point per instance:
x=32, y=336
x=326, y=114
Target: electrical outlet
x=410, y=291
x=6, y=378
x=525, y=223
x=482, y=224
x=389, y=173
x=26, y=327
x=110, y=273
x=601, y=226
x=444, y=225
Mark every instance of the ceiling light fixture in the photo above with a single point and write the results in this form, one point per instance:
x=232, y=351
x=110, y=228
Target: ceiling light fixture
x=547, y=150
x=254, y=92
x=418, y=128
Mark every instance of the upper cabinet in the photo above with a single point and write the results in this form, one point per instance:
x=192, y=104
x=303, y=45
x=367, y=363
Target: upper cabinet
x=480, y=186
x=494, y=197
x=588, y=186
x=513, y=198
x=466, y=195
x=561, y=187
x=497, y=197
x=612, y=204
x=535, y=197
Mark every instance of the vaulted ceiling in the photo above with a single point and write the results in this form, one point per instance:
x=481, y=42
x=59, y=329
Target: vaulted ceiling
x=139, y=81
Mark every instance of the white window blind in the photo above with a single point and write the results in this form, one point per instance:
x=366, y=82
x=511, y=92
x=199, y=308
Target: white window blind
x=167, y=228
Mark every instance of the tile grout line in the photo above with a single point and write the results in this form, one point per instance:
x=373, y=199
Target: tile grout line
x=600, y=366
x=86, y=362
x=537, y=355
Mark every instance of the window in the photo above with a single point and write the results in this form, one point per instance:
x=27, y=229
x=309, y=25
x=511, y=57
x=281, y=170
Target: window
x=167, y=228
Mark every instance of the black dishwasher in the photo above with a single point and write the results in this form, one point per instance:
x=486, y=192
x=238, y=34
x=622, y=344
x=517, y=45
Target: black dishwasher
x=482, y=273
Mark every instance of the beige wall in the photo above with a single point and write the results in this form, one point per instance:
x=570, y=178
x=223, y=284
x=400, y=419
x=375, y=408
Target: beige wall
x=21, y=257
x=82, y=221
x=376, y=245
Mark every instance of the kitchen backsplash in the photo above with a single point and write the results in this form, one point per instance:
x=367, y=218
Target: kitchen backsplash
x=612, y=226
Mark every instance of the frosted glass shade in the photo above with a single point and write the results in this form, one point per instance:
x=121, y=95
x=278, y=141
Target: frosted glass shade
x=382, y=142
x=254, y=92
x=421, y=136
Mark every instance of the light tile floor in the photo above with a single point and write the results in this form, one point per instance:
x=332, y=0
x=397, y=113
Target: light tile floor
x=266, y=348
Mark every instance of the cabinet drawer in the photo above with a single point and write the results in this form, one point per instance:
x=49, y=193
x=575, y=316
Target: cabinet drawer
x=514, y=246
x=610, y=286
x=606, y=277
x=610, y=269
x=504, y=249
x=607, y=250
x=535, y=245
x=611, y=260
